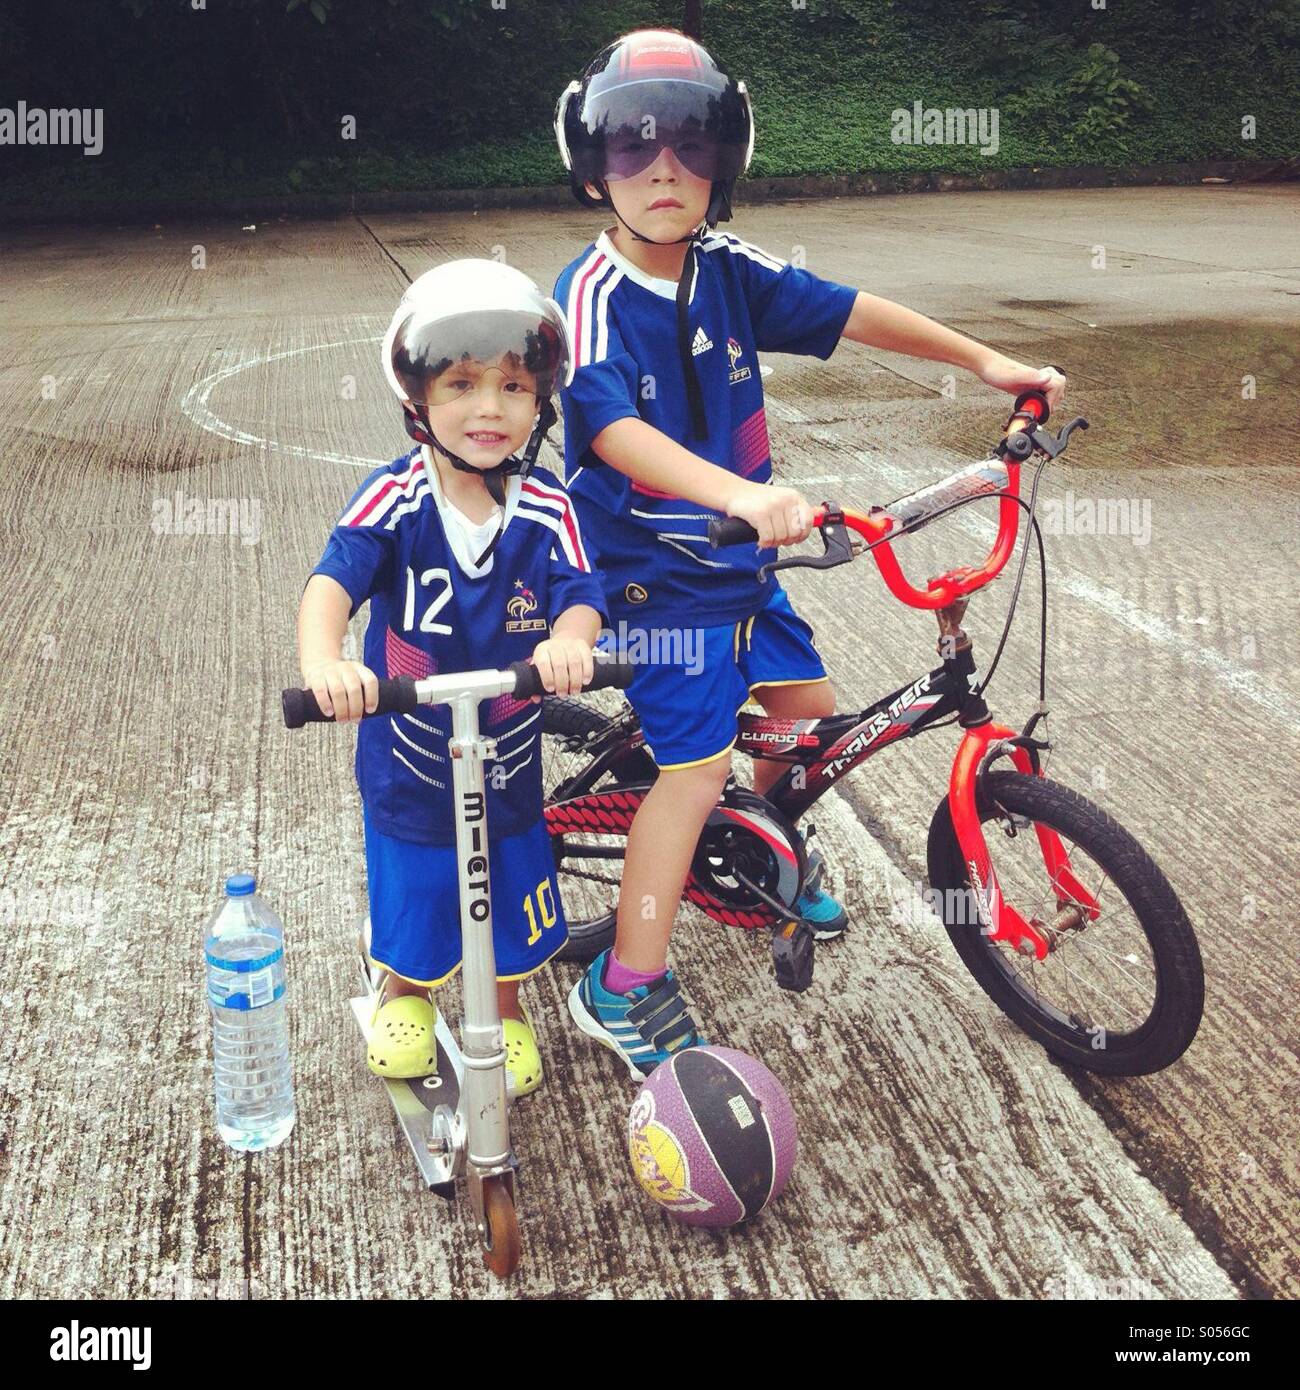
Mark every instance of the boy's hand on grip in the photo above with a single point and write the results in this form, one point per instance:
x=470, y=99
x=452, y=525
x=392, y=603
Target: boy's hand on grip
x=564, y=664
x=780, y=515
x=343, y=689
x=1014, y=377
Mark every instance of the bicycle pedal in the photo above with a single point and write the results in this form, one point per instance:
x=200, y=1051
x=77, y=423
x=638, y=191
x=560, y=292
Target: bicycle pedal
x=793, y=950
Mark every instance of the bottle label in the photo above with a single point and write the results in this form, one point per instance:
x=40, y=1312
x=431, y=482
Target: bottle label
x=262, y=990
x=242, y=967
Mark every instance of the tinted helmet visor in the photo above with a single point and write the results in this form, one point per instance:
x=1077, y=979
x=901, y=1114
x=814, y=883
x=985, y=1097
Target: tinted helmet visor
x=437, y=359
x=704, y=122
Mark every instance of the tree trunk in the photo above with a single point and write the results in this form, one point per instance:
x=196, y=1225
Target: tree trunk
x=274, y=78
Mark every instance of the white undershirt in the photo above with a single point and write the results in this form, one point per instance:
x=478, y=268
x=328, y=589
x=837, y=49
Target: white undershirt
x=466, y=539
x=665, y=289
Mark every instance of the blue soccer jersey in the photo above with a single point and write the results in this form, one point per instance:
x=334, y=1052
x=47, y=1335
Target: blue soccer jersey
x=652, y=547
x=432, y=610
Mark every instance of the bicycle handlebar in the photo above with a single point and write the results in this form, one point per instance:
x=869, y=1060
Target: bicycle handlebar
x=882, y=525
x=404, y=694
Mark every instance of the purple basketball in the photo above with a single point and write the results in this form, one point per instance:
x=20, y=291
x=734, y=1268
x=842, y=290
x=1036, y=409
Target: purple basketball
x=712, y=1136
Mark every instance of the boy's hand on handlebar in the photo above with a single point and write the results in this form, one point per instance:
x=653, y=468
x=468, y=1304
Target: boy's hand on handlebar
x=564, y=664
x=1014, y=377
x=344, y=690
x=780, y=515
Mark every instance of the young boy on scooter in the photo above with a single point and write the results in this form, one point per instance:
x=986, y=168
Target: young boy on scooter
x=664, y=429
x=471, y=558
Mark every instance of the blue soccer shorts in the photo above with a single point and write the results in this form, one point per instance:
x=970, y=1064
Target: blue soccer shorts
x=689, y=695
x=415, y=905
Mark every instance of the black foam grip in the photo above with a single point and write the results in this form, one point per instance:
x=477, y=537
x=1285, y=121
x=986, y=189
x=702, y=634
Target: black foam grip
x=611, y=673
x=396, y=696
x=731, y=530
x=527, y=682
x=607, y=673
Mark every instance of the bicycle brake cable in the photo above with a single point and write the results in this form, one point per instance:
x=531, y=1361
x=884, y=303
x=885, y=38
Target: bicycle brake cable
x=1015, y=594
x=1015, y=597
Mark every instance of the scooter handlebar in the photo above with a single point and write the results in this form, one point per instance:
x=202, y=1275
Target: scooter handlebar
x=401, y=695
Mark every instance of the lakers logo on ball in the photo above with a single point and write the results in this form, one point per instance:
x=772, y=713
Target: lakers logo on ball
x=712, y=1136
x=658, y=1161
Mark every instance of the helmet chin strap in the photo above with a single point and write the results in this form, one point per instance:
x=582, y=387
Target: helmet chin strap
x=718, y=204
x=650, y=241
x=418, y=426
x=719, y=210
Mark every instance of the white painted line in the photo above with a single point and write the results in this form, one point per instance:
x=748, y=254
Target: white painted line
x=195, y=406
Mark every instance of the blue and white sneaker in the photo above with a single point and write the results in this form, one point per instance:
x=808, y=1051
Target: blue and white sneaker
x=825, y=912
x=645, y=1026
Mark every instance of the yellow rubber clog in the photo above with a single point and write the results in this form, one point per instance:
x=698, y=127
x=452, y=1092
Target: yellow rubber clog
x=523, y=1061
x=402, y=1041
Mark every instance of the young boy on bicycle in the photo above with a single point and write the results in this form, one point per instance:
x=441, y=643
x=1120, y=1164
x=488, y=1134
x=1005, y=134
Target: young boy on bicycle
x=664, y=429
x=467, y=556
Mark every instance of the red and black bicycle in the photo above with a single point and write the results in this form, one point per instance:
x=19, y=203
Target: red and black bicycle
x=1064, y=920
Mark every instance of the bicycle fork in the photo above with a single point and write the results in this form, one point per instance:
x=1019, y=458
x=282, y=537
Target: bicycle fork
x=984, y=742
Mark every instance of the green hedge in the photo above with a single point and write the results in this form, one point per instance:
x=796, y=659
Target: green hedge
x=245, y=98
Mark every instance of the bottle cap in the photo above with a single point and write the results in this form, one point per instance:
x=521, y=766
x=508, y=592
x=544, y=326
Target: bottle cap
x=240, y=885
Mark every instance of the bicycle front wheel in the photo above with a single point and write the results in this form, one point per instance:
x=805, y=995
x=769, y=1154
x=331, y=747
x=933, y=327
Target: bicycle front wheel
x=1120, y=993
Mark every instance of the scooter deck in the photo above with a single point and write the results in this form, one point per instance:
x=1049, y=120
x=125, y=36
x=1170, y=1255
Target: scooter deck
x=415, y=1100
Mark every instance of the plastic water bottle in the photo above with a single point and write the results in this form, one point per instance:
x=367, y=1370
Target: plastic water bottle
x=244, y=950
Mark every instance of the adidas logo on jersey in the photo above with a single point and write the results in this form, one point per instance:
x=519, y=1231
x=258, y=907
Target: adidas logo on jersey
x=701, y=343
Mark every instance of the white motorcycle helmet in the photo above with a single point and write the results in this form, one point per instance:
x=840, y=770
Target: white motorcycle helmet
x=476, y=311
x=480, y=310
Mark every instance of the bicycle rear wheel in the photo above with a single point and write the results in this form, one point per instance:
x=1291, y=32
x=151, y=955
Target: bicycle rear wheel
x=1121, y=994
x=588, y=883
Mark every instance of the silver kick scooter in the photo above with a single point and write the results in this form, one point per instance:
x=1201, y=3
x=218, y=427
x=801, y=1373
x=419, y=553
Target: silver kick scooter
x=457, y=1122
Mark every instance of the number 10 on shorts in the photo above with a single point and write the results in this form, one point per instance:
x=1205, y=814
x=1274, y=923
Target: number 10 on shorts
x=545, y=910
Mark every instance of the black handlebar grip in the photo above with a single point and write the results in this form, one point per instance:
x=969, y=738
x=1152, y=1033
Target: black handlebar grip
x=1039, y=398
x=527, y=681
x=617, y=674
x=607, y=673
x=396, y=696
x=731, y=530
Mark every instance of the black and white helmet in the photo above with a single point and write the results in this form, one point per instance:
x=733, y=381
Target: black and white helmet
x=649, y=89
x=475, y=311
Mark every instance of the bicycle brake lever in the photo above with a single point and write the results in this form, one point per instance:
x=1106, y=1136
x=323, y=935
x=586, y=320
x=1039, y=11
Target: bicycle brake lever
x=838, y=543
x=1023, y=442
x=1066, y=430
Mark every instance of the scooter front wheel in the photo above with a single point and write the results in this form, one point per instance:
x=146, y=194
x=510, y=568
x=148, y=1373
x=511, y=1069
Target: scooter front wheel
x=501, y=1242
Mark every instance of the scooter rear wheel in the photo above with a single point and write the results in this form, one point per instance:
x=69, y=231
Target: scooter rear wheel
x=501, y=1243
